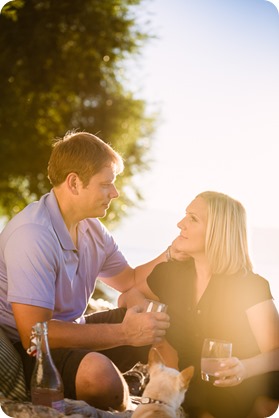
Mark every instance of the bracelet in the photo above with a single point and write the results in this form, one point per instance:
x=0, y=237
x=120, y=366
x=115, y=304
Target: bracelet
x=168, y=254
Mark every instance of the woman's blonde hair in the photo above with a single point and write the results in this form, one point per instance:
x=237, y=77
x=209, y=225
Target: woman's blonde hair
x=226, y=245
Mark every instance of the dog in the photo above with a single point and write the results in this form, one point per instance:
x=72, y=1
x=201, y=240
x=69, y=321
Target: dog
x=165, y=391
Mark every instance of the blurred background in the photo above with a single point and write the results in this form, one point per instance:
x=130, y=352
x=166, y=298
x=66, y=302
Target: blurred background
x=213, y=73
x=187, y=91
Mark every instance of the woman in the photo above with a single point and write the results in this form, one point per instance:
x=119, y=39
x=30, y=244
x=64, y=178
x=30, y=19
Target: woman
x=215, y=294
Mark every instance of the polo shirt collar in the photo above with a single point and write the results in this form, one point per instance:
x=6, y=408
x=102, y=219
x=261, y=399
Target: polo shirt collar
x=58, y=223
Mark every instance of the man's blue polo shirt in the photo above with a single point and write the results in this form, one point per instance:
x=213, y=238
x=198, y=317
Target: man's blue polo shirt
x=40, y=266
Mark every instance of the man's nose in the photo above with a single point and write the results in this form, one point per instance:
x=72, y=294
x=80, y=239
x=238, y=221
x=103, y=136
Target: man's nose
x=114, y=192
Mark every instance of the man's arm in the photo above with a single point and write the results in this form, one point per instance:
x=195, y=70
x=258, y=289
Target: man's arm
x=137, y=329
x=134, y=277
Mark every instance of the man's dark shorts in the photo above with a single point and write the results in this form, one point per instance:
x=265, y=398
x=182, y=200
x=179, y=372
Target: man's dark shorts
x=67, y=361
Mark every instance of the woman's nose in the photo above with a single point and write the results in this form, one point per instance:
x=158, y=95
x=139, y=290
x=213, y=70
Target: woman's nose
x=181, y=224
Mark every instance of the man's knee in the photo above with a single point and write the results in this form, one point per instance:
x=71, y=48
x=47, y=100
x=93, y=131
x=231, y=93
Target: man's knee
x=99, y=383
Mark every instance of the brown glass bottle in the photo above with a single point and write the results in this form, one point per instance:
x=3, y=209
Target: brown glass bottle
x=46, y=383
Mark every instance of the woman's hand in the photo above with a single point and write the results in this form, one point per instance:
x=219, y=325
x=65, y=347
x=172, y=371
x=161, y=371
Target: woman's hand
x=231, y=373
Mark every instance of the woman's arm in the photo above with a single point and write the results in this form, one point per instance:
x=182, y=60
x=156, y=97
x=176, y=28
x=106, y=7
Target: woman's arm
x=134, y=297
x=264, y=321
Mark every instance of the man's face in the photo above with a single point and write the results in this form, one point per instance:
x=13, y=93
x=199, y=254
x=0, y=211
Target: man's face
x=95, y=198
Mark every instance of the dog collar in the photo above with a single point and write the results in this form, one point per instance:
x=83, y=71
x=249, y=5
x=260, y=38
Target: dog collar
x=146, y=401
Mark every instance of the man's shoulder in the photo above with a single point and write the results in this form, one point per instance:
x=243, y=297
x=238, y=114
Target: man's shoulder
x=34, y=217
x=95, y=227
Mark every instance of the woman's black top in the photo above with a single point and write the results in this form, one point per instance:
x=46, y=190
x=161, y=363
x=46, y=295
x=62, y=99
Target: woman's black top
x=221, y=313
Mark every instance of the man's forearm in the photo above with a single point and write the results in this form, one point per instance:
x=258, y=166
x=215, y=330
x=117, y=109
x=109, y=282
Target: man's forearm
x=143, y=271
x=137, y=329
x=92, y=336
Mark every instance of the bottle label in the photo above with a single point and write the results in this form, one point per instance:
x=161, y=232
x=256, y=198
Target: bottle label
x=59, y=405
x=48, y=397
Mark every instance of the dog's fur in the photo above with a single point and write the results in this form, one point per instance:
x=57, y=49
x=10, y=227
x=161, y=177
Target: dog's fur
x=166, y=385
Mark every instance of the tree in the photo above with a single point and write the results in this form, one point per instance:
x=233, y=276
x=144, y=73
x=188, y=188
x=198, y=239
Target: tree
x=62, y=66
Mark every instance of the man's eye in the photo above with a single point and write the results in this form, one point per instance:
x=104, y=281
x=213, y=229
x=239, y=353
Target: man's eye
x=108, y=185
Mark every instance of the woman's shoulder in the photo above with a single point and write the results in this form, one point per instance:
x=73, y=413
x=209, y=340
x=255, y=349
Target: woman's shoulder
x=175, y=267
x=250, y=287
x=168, y=278
x=250, y=278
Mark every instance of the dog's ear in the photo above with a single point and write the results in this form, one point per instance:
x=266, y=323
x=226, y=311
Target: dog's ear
x=154, y=357
x=185, y=376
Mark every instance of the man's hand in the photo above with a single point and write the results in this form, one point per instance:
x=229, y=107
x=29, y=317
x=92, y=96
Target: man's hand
x=144, y=328
x=176, y=251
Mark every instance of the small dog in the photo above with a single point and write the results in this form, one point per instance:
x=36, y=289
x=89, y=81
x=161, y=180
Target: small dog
x=165, y=390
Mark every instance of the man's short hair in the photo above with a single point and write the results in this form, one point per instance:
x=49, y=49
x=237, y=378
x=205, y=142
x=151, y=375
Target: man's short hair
x=82, y=153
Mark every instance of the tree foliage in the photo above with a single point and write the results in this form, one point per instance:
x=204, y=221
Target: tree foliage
x=62, y=67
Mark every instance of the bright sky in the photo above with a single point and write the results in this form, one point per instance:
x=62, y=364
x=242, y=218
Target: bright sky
x=213, y=72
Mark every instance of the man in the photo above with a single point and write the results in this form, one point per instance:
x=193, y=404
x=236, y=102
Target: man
x=51, y=254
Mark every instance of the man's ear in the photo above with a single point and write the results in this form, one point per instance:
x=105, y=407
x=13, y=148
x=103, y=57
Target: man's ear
x=73, y=183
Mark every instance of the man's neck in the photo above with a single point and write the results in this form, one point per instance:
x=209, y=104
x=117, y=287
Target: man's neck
x=68, y=214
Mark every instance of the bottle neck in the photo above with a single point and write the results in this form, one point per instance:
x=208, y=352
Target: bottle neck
x=41, y=332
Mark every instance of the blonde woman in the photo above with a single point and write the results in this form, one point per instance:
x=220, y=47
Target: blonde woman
x=215, y=294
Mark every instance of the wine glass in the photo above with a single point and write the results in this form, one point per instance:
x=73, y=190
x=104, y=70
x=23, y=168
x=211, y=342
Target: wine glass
x=213, y=353
x=155, y=306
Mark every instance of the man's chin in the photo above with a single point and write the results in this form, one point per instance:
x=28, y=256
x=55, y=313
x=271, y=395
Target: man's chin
x=98, y=214
x=103, y=213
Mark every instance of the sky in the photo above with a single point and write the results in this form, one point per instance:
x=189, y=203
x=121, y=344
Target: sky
x=213, y=74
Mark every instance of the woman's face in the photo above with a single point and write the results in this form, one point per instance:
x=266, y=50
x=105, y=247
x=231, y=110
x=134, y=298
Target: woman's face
x=193, y=228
